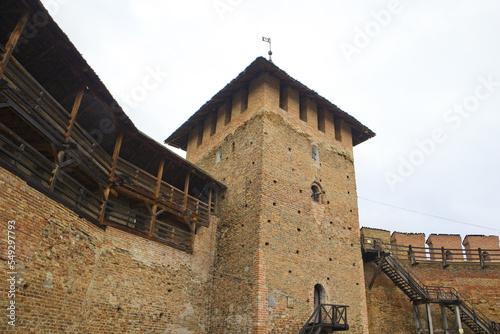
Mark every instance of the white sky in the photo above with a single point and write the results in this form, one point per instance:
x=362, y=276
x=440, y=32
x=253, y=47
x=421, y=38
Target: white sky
x=423, y=75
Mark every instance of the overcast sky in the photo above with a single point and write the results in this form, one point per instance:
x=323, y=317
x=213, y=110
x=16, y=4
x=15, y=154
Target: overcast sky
x=423, y=75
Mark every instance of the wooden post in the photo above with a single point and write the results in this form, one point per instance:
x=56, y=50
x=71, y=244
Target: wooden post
x=104, y=204
x=157, y=195
x=210, y=202
x=55, y=172
x=12, y=42
x=481, y=257
x=74, y=111
x=186, y=190
x=418, y=324
x=429, y=318
x=116, y=153
x=459, y=321
x=443, y=255
x=445, y=319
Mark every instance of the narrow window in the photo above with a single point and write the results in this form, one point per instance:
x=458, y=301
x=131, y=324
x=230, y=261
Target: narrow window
x=200, y=134
x=213, y=126
x=303, y=108
x=338, y=133
x=315, y=193
x=244, y=100
x=218, y=155
x=321, y=119
x=228, y=113
x=319, y=295
x=284, y=98
x=315, y=153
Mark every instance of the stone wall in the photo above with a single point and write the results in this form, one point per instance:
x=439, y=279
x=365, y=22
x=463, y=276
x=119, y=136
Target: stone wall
x=73, y=277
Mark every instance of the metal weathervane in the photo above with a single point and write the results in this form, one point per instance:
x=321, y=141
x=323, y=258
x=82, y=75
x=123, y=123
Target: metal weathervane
x=270, y=53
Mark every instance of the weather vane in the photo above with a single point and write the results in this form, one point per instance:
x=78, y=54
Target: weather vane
x=270, y=53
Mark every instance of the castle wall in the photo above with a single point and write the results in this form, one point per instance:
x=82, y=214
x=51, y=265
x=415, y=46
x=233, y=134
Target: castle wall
x=74, y=277
x=304, y=242
x=391, y=311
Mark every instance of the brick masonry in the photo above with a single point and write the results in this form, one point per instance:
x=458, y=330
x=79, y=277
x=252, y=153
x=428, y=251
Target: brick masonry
x=274, y=244
x=390, y=310
x=74, y=277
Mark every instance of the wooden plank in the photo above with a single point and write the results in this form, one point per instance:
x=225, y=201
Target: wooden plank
x=74, y=111
x=12, y=42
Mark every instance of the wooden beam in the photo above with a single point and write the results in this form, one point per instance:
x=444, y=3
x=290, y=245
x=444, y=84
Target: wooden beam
x=74, y=111
x=55, y=172
x=12, y=42
x=159, y=177
x=103, y=206
x=186, y=190
x=116, y=154
x=210, y=201
x=379, y=268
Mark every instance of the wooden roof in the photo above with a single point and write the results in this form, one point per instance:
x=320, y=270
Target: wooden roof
x=48, y=55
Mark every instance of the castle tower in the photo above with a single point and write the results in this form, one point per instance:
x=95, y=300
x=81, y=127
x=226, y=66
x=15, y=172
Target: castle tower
x=288, y=237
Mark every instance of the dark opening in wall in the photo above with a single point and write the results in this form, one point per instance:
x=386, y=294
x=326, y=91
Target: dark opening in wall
x=316, y=193
x=213, y=125
x=303, y=108
x=321, y=119
x=244, y=99
x=283, y=98
x=200, y=134
x=227, y=117
x=338, y=132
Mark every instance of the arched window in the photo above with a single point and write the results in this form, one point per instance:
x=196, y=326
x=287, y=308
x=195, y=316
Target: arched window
x=319, y=295
x=486, y=256
x=448, y=255
x=316, y=193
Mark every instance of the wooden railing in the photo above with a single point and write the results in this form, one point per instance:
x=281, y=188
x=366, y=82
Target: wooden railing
x=40, y=111
x=446, y=256
x=326, y=316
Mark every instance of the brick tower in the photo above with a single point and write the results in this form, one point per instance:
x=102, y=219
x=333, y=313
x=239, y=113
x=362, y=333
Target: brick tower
x=288, y=236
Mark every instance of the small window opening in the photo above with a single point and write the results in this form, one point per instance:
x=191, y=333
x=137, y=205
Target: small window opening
x=218, y=155
x=283, y=98
x=321, y=119
x=227, y=114
x=244, y=100
x=303, y=108
x=315, y=193
x=315, y=153
x=213, y=126
x=338, y=133
x=200, y=134
x=486, y=256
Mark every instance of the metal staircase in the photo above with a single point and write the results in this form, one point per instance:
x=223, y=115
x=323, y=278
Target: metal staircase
x=375, y=250
x=326, y=318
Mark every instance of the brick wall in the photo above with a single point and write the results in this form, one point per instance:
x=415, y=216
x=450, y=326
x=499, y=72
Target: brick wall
x=274, y=244
x=74, y=277
x=391, y=311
